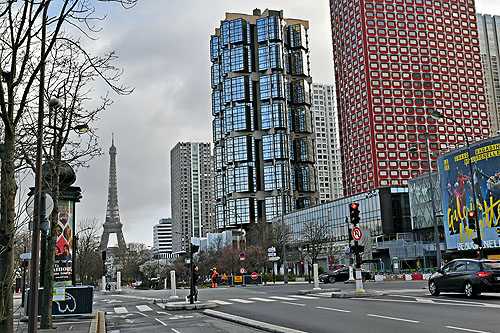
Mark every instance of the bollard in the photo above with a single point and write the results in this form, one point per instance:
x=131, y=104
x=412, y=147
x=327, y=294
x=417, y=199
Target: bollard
x=165, y=284
x=316, y=278
x=359, y=281
x=103, y=283
x=173, y=287
x=119, y=281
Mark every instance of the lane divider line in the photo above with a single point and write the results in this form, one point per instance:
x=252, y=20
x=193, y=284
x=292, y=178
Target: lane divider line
x=299, y=304
x=332, y=309
x=158, y=320
x=393, y=318
x=465, y=329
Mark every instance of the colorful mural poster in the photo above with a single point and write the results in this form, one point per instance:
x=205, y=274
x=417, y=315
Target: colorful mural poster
x=63, y=269
x=457, y=181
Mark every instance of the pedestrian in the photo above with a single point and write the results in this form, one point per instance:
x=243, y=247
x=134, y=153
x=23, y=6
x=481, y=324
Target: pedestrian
x=195, y=281
x=214, y=276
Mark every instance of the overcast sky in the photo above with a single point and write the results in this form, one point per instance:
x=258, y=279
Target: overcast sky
x=163, y=47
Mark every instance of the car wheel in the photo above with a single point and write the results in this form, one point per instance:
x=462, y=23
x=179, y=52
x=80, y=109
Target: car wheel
x=331, y=279
x=469, y=290
x=433, y=288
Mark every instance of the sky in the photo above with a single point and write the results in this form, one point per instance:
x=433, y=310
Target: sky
x=163, y=47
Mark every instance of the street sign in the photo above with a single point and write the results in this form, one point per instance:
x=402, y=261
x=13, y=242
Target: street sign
x=357, y=234
x=242, y=270
x=271, y=249
x=238, y=279
x=25, y=256
x=242, y=256
x=254, y=276
x=348, y=250
x=274, y=258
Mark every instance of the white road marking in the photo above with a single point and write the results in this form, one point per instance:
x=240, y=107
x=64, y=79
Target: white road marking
x=176, y=331
x=423, y=300
x=115, y=331
x=284, y=298
x=293, y=303
x=163, y=312
x=121, y=309
x=142, y=314
x=221, y=302
x=325, y=294
x=143, y=308
x=240, y=300
x=304, y=297
x=263, y=299
x=158, y=320
x=392, y=318
x=332, y=309
x=465, y=329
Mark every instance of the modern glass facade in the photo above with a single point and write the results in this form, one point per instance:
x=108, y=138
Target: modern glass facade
x=382, y=211
x=262, y=127
x=489, y=37
x=396, y=61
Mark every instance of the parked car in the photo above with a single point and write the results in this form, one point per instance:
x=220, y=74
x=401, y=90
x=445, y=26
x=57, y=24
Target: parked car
x=470, y=276
x=342, y=274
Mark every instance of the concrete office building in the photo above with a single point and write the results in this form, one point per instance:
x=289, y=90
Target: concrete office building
x=162, y=238
x=262, y=128
x=191, y=193
x=327, y=143
x=489, y=37
x=396, y=62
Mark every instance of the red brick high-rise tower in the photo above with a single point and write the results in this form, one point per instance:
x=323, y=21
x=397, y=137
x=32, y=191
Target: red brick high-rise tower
x=396, y=61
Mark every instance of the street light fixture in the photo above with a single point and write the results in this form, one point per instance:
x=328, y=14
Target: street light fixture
x=436, y=231
x=437, y=115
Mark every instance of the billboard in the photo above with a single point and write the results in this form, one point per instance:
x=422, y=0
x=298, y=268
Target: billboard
x=63, y=269
x=457, y=183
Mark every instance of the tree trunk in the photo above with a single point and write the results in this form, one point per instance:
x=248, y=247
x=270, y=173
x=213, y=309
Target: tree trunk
x=50, y=253
x=7, y=207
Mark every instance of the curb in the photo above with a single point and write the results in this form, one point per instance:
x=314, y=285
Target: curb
x=317, y=291
x=353, y=294
x=98, y=324
x=250, y=322
x=180, y=306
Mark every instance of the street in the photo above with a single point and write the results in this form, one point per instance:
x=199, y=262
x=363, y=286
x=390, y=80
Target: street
x=406, y=306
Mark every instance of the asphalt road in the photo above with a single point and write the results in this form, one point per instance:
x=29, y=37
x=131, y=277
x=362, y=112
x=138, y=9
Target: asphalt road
x=407, y=306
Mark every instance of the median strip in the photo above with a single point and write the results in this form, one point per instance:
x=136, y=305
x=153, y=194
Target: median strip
x=393, y=318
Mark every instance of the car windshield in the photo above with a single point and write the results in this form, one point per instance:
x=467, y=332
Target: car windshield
x=492, y=265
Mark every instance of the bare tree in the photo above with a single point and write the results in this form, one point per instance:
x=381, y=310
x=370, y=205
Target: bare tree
x=315, y=235
x=27, y=36
x=88, y=264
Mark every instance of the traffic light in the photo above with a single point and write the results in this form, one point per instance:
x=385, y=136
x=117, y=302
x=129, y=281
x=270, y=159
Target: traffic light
x=194, y=248
x=354, y=212
x=472, y=220
x=477, y=241
x=350, y=234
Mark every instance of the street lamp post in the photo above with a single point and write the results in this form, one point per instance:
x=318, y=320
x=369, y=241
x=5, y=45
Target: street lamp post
x=283, y=211
x=431, y=186
x=437, y=115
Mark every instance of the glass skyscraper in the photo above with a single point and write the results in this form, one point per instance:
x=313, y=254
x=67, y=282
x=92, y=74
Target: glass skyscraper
x=262, y=127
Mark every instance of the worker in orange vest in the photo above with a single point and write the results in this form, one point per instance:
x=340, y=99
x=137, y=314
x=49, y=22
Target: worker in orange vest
x=214, y=278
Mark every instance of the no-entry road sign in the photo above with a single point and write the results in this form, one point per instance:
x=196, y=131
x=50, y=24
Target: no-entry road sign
x=254, y=276
x=357, y=233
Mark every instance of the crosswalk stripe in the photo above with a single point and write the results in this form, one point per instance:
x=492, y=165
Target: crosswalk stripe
x=263, y=299
x=143, y=308
x=304, y=297
x=284, y=298
x=121, y=309
x=221, y=302
x=240, y=300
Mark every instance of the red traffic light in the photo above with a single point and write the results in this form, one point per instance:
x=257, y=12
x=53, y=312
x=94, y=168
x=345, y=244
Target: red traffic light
x=472, y=213
x=354, y=205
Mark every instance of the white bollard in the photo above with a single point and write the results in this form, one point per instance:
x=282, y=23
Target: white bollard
x=103, y=283
x=359, y=281
x=165, y=284
x=173, y=287
x=119, y=281
x=316, y=278
x=351, y=275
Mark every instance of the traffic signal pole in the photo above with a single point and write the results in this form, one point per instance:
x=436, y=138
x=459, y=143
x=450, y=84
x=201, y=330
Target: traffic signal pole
x=354, y=214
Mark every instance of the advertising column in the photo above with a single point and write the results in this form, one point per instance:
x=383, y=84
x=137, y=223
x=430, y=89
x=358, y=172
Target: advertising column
x=63, y=268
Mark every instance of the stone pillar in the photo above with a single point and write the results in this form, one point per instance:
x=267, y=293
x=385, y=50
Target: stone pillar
x=173, y=287
x=103, y=283
x=316, y=277
x=119, y=281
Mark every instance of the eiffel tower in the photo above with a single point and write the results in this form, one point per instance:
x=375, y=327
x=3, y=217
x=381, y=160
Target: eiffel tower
x=112, y=223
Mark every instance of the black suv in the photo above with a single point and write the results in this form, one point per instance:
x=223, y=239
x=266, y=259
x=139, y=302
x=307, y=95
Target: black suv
x=342, y=274
x=470, y=276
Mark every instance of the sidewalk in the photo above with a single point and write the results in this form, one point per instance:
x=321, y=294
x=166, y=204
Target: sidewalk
x=94, y=323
